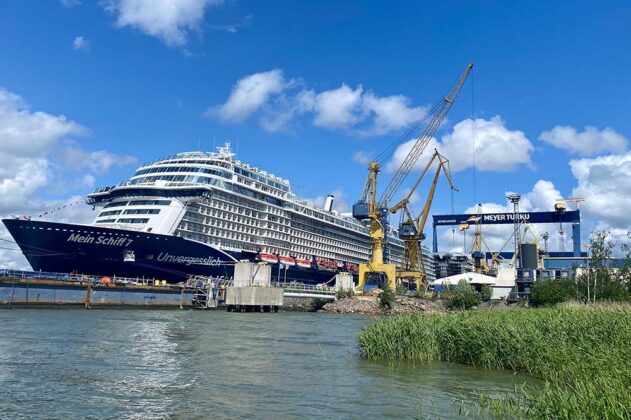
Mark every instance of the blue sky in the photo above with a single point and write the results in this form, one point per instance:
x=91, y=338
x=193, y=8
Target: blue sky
x=141, y=79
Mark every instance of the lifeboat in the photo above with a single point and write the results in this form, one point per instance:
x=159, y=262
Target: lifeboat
x=304, y=263
x=321, y=263
x=289, y=261
x=268, y=258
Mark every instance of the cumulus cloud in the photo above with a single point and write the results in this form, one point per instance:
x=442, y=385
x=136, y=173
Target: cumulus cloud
x=33, y=146
x=248, y=95
x=588, y=142
x=497, y=148
x=340, y=109
x=169, y=20
x=605, y=183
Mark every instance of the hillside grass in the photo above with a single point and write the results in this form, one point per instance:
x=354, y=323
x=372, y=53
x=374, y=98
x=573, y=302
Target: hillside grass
x=583, y=353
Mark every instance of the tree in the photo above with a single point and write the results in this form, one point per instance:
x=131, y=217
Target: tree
x=486, y=293
x=461, y=296
x=551, y=292
x=598, y=281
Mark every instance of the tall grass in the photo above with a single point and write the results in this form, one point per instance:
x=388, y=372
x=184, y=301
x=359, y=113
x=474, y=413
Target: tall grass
x=583, y=353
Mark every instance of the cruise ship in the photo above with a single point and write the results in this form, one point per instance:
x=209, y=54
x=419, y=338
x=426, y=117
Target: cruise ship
x=197, y=213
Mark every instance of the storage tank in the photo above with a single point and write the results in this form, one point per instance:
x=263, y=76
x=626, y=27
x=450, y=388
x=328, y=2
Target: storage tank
x=528, y=256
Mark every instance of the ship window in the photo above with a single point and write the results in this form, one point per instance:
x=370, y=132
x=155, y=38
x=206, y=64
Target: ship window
x=106, y=221
x=141, y=211
x=128, y=220
x=150, y=203
x=110, y=213
x=115, y=204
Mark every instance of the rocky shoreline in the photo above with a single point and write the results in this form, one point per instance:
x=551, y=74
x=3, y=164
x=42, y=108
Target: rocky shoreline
x=370, y=305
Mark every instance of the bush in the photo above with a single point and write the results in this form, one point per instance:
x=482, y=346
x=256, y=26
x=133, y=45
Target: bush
x=486, y=292
x=386, y=297
x=344, y=293
x=401, y=289
x=551, y=292
x=461, y=296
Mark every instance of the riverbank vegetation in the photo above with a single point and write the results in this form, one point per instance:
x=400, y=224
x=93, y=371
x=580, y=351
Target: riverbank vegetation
x=581, y=351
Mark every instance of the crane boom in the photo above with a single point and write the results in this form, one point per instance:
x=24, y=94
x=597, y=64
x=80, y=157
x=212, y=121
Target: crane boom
x=422, y=142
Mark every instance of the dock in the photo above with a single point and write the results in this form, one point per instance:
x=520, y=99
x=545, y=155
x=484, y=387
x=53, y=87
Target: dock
x=250, y=291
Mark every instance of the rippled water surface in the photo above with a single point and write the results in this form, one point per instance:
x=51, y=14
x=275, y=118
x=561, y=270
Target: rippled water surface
x=189, y=364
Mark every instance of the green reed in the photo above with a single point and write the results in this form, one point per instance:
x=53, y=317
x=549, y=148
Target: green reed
x=583, y=354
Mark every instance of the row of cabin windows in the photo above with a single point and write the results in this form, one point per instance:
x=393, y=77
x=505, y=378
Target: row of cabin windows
x=131, y=211
x=183, y=169
x=138, y=203
x=124, y=220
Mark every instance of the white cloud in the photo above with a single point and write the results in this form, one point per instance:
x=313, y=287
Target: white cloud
x=98, y=161
x=169, y=20
x=605, y=183
x=589, y=142
x=249, y=94
x=285, y=109
x=338, y=108
x=341, y=109
x=26, y=133
x=497, y=148
x=81, y=44
x=33, y=145
x=391, y=113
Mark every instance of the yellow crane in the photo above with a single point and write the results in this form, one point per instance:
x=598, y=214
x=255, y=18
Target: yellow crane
x=368, y=208
x=411, y=229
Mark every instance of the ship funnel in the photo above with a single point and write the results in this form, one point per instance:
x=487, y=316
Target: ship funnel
x=328, y=204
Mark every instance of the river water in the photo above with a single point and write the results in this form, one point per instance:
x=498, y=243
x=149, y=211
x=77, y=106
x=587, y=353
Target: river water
x=194, y=364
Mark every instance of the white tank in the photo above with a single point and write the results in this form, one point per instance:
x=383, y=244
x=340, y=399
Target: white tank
x=328, y=204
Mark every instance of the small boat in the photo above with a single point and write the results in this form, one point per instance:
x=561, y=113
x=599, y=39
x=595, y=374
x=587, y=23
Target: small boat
x=304, y=263
x=289, y=261
x=268, y=258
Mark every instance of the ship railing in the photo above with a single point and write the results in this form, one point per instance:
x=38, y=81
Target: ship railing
x=297, y=287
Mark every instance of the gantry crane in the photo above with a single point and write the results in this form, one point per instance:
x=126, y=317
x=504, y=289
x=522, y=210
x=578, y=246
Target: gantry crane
x=411, y=229
x=375, y=211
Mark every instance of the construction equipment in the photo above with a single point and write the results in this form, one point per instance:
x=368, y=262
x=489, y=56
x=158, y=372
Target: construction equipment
x=368, y=208
x=479, y=261
x=560, y=207
x=411, y=229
